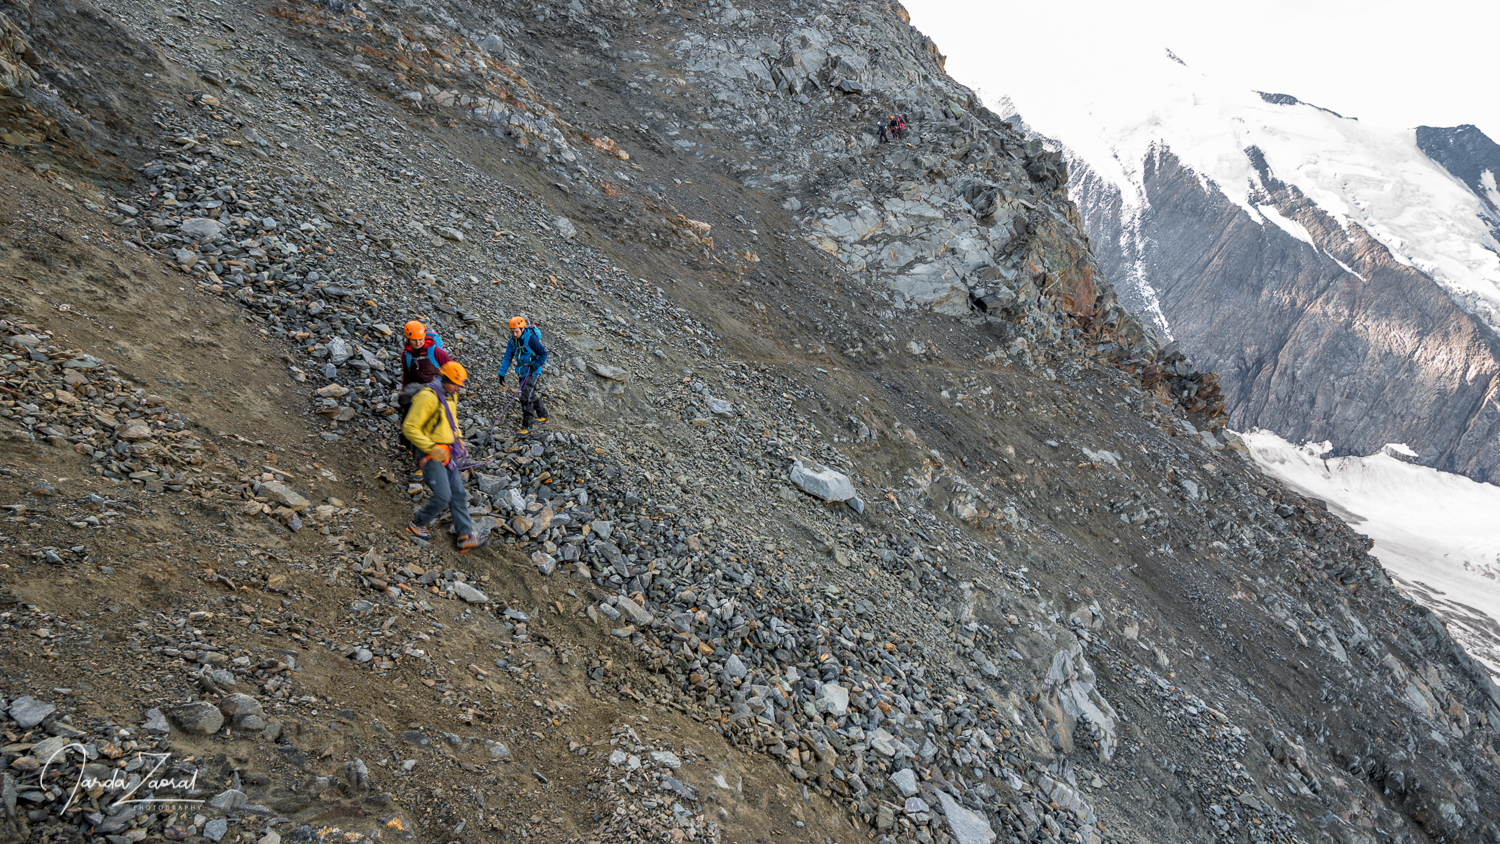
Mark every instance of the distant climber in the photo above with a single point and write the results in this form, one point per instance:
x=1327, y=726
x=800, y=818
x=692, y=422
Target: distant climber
x=431, y=426
x=881, y=132
x=526, y=349
x=894, y=128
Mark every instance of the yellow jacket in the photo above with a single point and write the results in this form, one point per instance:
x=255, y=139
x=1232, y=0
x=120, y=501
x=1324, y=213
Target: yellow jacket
x=426, y=425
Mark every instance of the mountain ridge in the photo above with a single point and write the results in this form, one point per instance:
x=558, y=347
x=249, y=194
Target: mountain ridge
x=1283, y=187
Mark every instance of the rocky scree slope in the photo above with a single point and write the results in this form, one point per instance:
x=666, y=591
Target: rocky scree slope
x=1060, y=609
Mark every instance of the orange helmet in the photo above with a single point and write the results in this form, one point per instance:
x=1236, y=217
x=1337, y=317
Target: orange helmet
x=416, y=331
x=517, y=322
x=455, y=372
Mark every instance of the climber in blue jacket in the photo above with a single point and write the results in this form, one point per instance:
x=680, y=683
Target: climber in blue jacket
x=526, y=350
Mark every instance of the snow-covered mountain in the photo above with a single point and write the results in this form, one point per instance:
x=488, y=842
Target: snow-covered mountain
x=1342, y=278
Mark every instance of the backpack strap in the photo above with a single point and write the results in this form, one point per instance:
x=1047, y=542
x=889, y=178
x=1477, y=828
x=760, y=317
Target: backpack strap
x=458, y=445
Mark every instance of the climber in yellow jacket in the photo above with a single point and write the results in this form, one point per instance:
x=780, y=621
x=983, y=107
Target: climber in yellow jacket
x=431, y=426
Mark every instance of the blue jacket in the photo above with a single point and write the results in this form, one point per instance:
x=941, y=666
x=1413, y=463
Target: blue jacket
x=527, y=351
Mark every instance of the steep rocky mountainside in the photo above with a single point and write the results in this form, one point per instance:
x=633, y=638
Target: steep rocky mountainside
x=1060, y=605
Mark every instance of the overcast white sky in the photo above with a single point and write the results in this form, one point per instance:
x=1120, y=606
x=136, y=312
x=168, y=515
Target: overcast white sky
x=1391, y=63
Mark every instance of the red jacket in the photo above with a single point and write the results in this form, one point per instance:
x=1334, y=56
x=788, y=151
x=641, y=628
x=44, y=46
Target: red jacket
x=422, y=364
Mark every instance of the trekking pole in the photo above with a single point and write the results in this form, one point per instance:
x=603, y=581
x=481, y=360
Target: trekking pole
x=504, y=410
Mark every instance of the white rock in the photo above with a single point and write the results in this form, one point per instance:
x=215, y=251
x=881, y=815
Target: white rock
x=667, y=758
x=833, y=699
x=905, y=781
x=338, y=351
x=514, y=501
x=968, y=827
x=821, y=481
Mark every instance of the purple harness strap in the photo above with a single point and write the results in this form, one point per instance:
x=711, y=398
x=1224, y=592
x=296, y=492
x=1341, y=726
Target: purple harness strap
x=459, y=453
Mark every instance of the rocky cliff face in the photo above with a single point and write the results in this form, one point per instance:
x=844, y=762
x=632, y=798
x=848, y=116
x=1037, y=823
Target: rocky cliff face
x=1471, y=157
x=1318, y=332
x=1061, y=605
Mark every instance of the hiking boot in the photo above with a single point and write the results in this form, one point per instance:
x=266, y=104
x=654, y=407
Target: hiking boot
x=468, y=542
x=418, y=531
x=541, y=420
x=524, y=431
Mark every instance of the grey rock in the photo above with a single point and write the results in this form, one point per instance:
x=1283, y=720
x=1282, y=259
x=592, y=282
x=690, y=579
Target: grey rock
x=494, y=45
x=284, y=495
x=905, y=781
x=155, y=723
x=514, y=501
x=215, y=829
x=833, y=699
x=199, y=719
x=544, y=562
x=633, y=612
x=968, y=827
x=27, y=711
x=608, y=371
x=735, y=668
x=51, y=749
x=339, y=351
x=228, y=800
x=490, y=485
x=818, y=480
x=602, y=528
x=666, y=758
x=240, y=709
x=565, y=227
x=468, y=593
x=201, y=229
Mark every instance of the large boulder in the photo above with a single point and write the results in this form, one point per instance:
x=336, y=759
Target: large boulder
x=820, y=481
